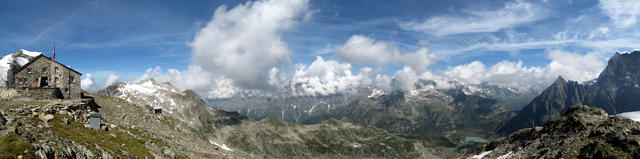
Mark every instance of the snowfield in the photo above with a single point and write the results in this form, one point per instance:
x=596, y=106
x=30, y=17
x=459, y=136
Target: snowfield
x=14, y=58
x=635, y=116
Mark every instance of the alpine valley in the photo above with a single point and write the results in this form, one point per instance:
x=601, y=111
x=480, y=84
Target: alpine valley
x=426, y=122
x=320, y=79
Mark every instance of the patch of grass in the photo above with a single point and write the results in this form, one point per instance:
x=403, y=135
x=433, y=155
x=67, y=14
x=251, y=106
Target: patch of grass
x=19, y=104
x=122, y=142
x=11, y=146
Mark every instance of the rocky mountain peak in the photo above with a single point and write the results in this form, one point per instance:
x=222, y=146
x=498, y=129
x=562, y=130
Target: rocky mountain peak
x=621, y=69
x=581, y=132
x=559, y=80
x=185, y=106
x=615, y=91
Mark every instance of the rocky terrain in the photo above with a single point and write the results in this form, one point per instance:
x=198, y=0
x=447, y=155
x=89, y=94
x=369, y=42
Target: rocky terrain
x=275, y=138
x=183, y=106
x=246, y=138
x=59, y=129
x=615, y=91
x=581, y=132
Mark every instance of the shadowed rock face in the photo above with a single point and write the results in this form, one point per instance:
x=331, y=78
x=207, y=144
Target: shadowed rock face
x=581, y=132
x=432, y=113
x=616, y=90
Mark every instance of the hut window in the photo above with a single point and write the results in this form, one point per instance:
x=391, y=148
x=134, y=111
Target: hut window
x=44, y=70
x=71, y=79
x=56, y=79
x=28, y=70
x=57, y=69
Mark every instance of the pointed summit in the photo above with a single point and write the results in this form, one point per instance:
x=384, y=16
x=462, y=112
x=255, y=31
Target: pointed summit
x=560, y=80
x=615, y=91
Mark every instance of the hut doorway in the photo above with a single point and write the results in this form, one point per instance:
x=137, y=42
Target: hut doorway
x=44, y=81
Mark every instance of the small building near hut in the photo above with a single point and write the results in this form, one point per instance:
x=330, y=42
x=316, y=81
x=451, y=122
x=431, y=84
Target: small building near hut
x=94, y=121
x=43, y=77
x=157, y=111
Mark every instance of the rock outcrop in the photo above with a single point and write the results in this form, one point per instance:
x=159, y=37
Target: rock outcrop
x=581, y=132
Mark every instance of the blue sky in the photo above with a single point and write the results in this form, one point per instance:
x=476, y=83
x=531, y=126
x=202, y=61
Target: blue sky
x=125, y=38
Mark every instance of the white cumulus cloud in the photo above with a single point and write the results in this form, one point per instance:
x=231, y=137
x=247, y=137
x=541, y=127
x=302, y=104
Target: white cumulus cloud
x=113, y=78
x=362, y=49
x=512, y=14
x=87, y=81
x=244, y=43
x=326, y=77
x=93, y=81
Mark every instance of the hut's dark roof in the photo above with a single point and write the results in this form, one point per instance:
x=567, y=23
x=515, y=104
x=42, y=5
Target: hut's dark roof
x=41, y=56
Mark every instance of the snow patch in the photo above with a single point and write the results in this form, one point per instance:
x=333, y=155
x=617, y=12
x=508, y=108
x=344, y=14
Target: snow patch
x=311, y=110
x=17, y=58
x=223, y=146
x=635, y=116
x=30, y=53
x=481, y=155
x=375, y=93
x=505, y=156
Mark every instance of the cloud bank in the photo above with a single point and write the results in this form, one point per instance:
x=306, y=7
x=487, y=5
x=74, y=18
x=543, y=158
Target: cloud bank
x=571, y=66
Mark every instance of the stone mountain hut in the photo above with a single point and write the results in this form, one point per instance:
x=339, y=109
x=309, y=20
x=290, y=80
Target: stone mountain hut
x=45, y=78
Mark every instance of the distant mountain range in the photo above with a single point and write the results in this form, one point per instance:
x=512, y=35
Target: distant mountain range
x=308, y=109
x=268, y=138
x=616, y=90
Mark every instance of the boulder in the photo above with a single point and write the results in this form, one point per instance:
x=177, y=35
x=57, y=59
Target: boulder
x=2, y=119
x=46, y=118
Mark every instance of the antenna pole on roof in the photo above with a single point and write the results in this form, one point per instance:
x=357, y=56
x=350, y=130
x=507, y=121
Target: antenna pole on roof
x=54, y=50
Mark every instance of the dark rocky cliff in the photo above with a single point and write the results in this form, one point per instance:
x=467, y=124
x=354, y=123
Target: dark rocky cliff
x=616, y=90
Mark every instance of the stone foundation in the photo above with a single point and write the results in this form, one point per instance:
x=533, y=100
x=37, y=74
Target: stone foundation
x=40, y=93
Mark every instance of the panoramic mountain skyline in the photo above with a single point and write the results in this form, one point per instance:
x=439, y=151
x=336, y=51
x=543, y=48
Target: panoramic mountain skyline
x=222, y=48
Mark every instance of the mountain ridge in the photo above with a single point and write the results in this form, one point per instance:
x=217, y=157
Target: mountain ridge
x=615, y=91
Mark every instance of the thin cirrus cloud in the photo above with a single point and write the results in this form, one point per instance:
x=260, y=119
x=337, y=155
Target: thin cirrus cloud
x=624, y=13
x=512, y=14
